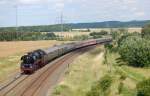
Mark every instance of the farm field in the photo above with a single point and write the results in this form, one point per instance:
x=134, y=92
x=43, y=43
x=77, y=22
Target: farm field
x=10, y=53
x=79, y=32
x=71, y=34
x=130, y=30
x=11, y=48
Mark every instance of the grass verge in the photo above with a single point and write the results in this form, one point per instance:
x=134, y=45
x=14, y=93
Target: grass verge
x=81, y=75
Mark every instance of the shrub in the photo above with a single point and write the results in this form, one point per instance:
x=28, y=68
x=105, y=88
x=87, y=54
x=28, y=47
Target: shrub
x=98, y=34
x=100, y=88
x=58, y=90
x=143, y=88
x=135, y=51
x=109, y=46
x=120, y=87
x=105, y=82
x=123, y=77
x=146, y=32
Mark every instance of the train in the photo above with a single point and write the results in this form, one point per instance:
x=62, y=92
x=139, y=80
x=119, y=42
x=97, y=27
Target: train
x=34, y=60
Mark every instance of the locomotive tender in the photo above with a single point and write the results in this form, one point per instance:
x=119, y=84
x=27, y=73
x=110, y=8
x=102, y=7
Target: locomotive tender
x=34, y=60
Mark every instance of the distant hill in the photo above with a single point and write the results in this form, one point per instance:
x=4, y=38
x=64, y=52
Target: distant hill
x=57, y=27
x=110, y=24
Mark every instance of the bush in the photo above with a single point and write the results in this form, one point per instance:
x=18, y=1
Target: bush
x=120, y=87
x=143, y=88
x=50, y=36
x=135, y=51
x=146, y=32
x=115, y=35
x=105, y=82
x=108, y=46
x=101, y=87
x=98, y=34
x=123, y=76
x=59, y=89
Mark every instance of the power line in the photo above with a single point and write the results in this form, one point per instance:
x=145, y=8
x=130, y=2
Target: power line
x=16, y=8
x=61, y=20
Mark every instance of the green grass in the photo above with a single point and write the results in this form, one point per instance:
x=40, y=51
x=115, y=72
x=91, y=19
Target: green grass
x=128, y=92
x=130, y=73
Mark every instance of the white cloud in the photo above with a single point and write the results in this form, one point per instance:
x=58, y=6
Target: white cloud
x=3, y=2
x=30, y=1
x=59, y=5
x=22, y=2
x=140, y=14
x=134, y=8
x=6, y=1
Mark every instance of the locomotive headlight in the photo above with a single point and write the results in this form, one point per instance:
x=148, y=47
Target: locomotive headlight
x=31, y=66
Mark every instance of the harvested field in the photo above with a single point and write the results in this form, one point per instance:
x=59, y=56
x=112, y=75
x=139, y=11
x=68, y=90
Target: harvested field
x=132, y=29
x=11, y=48
x=78, y=32
x=71, y=34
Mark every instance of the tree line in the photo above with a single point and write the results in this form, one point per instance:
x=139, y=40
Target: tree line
x=26, y=36
x=44, y=28
x=98, y=34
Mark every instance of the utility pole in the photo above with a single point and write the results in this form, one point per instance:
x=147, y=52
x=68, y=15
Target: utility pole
x=61, y=20
x=16, y=9
x=107, y=26
x=61, y=25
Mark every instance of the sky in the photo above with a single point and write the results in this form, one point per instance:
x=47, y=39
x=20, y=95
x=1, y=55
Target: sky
x=45, y=12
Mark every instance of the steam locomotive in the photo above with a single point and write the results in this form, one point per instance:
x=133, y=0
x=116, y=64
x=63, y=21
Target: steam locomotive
x=36, y=59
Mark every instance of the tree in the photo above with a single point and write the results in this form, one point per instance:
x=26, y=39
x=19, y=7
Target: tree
x=135, y=51
x=50, y=35
x=146, y=32
x=98, y=34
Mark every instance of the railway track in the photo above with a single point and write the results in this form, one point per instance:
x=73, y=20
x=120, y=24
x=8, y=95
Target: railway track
x=31, y=90
x=6, y=89
x=10, y=82
x=35, y=84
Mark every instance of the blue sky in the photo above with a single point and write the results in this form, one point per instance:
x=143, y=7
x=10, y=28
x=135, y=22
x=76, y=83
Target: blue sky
x=41, y=12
